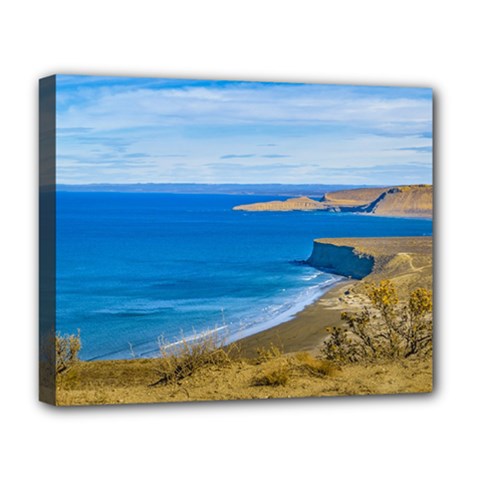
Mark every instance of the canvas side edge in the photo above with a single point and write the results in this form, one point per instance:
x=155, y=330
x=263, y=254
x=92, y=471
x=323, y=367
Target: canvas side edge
x=47, y=239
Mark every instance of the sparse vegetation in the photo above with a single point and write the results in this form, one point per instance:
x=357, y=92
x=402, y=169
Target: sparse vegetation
x=384, y=330
x=273, y=376
x=264, y=354
x=182, y=360
x=281, y=369
x=313, y=366
x=67, y=348
x=383, y=348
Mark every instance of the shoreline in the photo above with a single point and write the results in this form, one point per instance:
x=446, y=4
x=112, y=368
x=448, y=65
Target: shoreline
x=406, y=261
x=237, y=335
x=306, y=329
x=286, y=316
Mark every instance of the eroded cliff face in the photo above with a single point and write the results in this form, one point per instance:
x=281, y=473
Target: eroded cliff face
x=407, y=201
x=406, y=261
x=403, y=201
x=341, y=260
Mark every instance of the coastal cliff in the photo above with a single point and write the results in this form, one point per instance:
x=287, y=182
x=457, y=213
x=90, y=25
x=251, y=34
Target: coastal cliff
x=407, y=201
x=403, y=201
x=340, y=259
x=407, y=261
x=355, y=197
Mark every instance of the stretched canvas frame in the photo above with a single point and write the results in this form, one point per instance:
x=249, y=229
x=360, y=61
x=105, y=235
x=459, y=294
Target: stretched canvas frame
x=378, y=285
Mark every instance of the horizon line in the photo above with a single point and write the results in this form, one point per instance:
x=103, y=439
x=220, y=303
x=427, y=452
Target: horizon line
x=235, y=183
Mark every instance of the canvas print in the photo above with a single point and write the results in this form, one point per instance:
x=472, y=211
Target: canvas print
x=223, y=240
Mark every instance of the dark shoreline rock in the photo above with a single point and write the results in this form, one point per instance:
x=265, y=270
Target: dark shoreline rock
x=341, y=260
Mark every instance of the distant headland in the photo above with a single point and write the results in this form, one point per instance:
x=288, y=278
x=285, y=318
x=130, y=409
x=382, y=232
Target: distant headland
x=399, y=201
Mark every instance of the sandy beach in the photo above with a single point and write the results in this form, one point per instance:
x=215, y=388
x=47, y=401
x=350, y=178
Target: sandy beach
x=406, y=261
x=307, y=328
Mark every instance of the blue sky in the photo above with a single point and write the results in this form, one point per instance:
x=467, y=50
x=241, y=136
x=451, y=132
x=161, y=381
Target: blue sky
x=129, y=130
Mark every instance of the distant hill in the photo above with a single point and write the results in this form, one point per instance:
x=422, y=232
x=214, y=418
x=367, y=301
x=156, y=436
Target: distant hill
x=298, y=203
x=354, y=197
x=403, y=201
x=406, y=201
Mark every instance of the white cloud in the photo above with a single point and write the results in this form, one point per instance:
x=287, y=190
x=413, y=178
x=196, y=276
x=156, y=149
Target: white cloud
x=242, y=104
x=311, y=126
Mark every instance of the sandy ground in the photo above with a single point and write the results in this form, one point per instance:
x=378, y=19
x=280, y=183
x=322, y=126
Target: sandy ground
x=307, y=329
x=128, y=381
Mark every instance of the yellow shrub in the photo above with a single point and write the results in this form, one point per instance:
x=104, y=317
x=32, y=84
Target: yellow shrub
x=385, y=330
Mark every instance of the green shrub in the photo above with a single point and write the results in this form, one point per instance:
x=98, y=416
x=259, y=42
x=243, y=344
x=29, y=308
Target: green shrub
x=385, y=329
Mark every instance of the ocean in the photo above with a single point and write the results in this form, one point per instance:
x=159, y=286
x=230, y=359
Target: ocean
x=136, y=268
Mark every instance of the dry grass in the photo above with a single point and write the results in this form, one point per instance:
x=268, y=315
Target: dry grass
x=187, y=357
x=67, y=348
x=207, y=370
x=273, y=376
x=307, y=363
x=281, y=369
x=264, y=354
x=127, y=381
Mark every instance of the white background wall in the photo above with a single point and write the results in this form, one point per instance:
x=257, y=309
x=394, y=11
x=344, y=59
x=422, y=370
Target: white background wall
x=370, y=42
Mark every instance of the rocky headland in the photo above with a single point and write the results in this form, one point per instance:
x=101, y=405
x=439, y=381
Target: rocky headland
x=405, y=261
x=400, y=201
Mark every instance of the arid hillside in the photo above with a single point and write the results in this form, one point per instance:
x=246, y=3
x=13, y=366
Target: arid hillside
x=292, y=204
x=404, y=201
x=355, y=197
x=407, y=201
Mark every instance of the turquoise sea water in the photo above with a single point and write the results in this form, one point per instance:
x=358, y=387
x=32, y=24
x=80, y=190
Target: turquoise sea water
x=133, y=267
